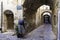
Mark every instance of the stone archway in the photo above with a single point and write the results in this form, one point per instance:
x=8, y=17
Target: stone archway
x=8, y=20
x=30, y=8
x=46, y=13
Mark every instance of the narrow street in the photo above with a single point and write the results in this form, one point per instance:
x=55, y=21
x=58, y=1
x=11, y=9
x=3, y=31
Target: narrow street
x=43, y=32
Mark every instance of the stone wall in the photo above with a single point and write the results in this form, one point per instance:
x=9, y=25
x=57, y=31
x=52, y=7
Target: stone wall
x=55, y=19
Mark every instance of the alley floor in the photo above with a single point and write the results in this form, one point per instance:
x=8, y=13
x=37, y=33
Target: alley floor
x=43, y=32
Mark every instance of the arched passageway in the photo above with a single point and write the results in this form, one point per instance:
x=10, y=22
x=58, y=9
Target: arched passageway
x=30, y=8
x=46, y=17
x=8, y=20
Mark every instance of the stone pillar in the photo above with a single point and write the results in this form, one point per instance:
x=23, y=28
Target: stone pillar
x=30, y=19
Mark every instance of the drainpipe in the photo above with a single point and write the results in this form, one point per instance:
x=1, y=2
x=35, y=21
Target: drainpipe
x=1, y=15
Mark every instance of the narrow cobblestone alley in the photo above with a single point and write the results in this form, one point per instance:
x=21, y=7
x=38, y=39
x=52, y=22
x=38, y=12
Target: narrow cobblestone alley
x=43, y=32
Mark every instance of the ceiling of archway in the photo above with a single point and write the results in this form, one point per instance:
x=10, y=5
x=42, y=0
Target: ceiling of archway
x=46, y=13
x=8, y=12
x=33, y=5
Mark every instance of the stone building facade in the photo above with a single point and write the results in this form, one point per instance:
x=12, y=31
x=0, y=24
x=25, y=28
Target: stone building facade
x=11, y=14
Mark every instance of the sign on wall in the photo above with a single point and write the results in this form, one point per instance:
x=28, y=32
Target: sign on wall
x=19, y=7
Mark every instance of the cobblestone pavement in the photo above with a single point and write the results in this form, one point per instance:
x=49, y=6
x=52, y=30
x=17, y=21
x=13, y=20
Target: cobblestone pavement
x=43, y=32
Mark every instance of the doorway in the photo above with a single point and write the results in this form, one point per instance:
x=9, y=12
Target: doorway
x=9, y=20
